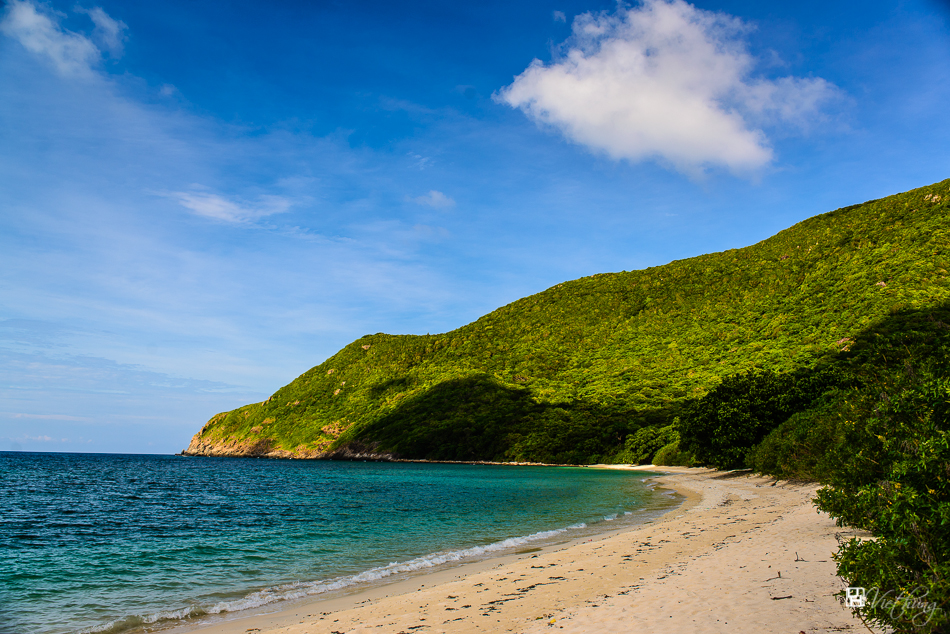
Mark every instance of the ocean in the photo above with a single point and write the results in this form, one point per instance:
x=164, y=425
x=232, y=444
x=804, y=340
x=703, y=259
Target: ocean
x=132, y=543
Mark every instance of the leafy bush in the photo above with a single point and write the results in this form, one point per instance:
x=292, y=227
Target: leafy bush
x=722, y=427
x=645, y=443
x=798, y=449
x=894, y=481
x=672, y=456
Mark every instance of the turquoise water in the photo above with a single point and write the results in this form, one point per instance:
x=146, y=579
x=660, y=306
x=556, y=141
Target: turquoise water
x=113, y=543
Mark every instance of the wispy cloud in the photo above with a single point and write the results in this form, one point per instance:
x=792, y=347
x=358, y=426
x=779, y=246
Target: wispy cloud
x=39, y=31
x=45, y=417
x=435, y=199
x=43, y=438
x=37, y=28
x=559, y=16
x=109, y=32
x=236, y=211
x=665, y=81
x=421, y=162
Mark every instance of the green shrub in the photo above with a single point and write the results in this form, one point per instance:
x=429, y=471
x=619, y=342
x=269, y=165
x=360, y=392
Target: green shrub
x=798, y=449
x=641, y=446
x=894, y=481
x=672, y=456
x=724, y=426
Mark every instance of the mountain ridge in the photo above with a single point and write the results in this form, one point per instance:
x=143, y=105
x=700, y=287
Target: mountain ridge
x=570, y=374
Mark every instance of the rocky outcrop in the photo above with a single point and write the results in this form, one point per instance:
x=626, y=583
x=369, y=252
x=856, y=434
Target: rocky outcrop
x=201, y=446
x=262, y=448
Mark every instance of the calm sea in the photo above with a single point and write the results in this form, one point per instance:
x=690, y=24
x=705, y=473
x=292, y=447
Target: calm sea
x=122, y=543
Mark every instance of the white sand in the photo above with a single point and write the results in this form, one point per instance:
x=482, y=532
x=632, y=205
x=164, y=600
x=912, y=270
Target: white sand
x=743, y=554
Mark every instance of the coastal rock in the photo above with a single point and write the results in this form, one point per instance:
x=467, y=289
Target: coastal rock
x=232, y=447
x=200, y=446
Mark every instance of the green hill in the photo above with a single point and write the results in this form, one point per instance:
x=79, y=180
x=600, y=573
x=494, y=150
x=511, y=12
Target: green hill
x=569, y=375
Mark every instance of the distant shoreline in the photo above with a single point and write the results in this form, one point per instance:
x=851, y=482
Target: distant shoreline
x=711, y=565
x=381, y=458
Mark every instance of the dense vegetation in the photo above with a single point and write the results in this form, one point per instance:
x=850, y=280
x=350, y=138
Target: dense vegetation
x=821, y=354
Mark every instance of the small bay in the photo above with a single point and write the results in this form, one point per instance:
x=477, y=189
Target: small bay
x=112, y=543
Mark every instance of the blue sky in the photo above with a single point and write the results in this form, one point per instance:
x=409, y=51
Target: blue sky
x=200, y=201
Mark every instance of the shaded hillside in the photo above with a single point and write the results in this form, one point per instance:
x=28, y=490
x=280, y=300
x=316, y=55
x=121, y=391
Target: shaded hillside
x=872, y=423
x=568, y=374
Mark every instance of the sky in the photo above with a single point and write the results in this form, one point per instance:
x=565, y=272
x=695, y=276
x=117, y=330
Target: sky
x=201, y=201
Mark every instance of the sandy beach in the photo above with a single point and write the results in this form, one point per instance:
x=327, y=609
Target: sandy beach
x=741, y=554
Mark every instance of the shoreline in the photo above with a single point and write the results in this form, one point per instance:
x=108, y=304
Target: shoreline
x=351, y=594
x=742, y=553
x=373, y=457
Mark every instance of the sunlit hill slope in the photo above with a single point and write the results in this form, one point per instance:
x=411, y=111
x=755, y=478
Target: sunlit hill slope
x=568, y=374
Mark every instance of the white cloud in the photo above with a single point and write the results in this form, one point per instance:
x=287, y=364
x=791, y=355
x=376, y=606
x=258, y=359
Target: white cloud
x=219, y=208
x=435, y=199
x=110, y=33
x=559, y=16
x=45, y=417
x=664, y=81
x=71, y=53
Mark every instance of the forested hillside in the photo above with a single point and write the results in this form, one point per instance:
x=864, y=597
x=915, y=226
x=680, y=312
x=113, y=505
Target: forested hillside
x=571, y=374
